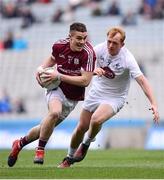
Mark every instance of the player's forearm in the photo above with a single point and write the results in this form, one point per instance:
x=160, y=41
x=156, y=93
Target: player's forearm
x=82, y=81
x=149, y=94
x=147, y=90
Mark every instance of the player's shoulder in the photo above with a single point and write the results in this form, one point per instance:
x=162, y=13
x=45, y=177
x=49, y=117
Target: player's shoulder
x=127, y=53
x=61, y=42
x=88, y=46
x=88, y=50
x=128, y=56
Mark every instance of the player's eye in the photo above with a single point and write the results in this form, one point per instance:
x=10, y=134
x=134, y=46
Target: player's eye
x=79, y=38
x=109, y=42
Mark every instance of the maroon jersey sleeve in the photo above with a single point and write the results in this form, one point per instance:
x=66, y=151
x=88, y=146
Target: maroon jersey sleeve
x=59, y=47
x=88, y=63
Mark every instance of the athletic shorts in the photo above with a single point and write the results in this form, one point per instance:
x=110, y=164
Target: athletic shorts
x=67, y=104
x=92, y=101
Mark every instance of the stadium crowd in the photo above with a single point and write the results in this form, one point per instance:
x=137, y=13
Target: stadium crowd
x=13, y=11
x=23, y=10
x=150, y=9
x=10, y=105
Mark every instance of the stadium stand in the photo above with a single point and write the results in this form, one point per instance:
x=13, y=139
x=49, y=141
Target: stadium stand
x=17, y=68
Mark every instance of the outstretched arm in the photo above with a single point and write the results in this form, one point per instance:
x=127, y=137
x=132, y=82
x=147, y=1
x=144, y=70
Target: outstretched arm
x=143, y=82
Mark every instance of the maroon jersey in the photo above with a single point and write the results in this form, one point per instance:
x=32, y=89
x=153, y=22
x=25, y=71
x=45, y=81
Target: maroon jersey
x=71, y=63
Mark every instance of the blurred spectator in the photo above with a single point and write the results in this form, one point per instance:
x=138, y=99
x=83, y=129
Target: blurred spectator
x=30, y=1
x=95, y=1
x=26, y=1
x=158, y=11
x=19, y=106
x=96, y=10
x=9, y=10
x=9, y=106
x=1, y=45
x=68, y=14
x=113, y=9
x=57, y=17
x=5, y=104
x=74, y=4
x=129, y=19
x=13, y=43
x=151, y=3
x=8, y=40
x=95, y=7
x=147, y=7
x=20, y=43
x=45, y=1
x=152, y=9
x=28, y=17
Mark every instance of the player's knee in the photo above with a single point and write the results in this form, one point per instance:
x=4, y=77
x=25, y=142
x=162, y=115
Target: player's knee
x=95, y=121
x=54, y=114
x=82, y=128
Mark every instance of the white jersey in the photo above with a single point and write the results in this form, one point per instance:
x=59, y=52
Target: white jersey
x=119, y=70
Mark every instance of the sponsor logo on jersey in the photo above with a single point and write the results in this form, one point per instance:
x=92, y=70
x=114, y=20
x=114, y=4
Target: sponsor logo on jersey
x=70, y=58
x=62, y=56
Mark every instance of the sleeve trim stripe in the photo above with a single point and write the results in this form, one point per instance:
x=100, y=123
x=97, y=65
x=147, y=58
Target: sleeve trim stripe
x=90, y=58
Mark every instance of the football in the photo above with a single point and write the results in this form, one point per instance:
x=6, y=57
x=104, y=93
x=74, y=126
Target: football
x=52, y=85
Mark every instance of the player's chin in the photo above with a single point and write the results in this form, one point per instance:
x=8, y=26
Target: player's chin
x=79, y=48
x=112, y=52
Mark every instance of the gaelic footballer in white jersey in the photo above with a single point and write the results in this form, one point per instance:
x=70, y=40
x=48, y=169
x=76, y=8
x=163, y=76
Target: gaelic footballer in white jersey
x=115, y=67
x=112, y=88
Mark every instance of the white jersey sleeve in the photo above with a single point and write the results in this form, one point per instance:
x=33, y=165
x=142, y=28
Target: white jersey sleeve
x=132, y=65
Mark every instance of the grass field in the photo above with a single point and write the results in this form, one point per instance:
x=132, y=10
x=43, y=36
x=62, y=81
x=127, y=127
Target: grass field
x=99, y=164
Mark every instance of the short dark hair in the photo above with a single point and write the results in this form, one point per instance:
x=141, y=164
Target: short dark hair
x=78, y=27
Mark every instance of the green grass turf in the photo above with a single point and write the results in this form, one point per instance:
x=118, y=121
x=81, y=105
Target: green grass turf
x=98, y=164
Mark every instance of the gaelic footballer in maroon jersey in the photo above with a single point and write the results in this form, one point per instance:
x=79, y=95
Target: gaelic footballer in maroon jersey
x=75, y=61
x=72, y=63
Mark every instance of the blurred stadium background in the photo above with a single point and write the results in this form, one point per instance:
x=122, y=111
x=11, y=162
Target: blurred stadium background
x=33, y=26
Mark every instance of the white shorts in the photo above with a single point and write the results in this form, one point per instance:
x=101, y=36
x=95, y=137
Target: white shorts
x=92, y=101
x=67, y=104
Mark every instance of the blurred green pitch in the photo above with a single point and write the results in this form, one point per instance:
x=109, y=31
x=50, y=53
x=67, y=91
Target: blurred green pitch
x=99, y=164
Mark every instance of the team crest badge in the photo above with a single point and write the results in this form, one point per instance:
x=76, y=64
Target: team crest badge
x=76, y=61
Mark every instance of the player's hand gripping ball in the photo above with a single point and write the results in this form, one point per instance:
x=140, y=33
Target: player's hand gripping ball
x=49, y=85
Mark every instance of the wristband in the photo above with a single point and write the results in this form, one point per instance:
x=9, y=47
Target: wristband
x=59, y=77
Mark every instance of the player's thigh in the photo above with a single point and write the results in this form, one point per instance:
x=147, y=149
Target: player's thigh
x=55, y=98
x=67, y=107
x=55, y=106
x=102, y=113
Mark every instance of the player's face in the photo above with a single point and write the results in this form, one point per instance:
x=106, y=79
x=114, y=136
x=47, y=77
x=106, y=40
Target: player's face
x=77, y=40
x=114, y=44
